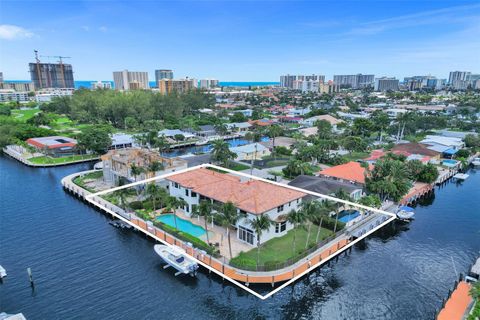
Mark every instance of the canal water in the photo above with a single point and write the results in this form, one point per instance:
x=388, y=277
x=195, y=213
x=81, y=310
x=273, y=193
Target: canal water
x=86, y=269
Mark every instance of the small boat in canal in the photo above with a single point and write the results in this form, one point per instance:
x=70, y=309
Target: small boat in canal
x=177, y=258
x=405, y=213
x=461, y=176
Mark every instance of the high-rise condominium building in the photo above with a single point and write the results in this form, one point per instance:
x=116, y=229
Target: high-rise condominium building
x=208, y=83
x=286, y=81
x=18, y=86
x=386, y=84
x=306, y=85
x=163, y=74
x=167, y=86
x=1, y=77
x=329, y=87
x=51, y=75
x=354, y=81
x=458, y=76
x=130, y=80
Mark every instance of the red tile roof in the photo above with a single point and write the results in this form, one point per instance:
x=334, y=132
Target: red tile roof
x=351, y=171
x=251, y=196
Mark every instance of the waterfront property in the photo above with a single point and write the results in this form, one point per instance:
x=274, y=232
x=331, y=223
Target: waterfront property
x=352, y=172
x=117, y=164
x=250, y=151
x=55, y=146
x=251, y=198
x=327, y=186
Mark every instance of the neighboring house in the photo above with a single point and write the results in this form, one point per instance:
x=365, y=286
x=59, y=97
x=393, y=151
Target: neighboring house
x=251, y=198
x=310, y=122
x=204, y=131
x=352, y=172
x=261, y=123
x=395, y=112
x=448, y=146
x=55, y=146
x=121, y=141
x=246, y=112
x=279, y=142
x=171, y=133
x=326, y=186
x=299, y=112
x=454, y=134
x=413, y=148
x=250, y=151
x=117, y=164
x=238, y=126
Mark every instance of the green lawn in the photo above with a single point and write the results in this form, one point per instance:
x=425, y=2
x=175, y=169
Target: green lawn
x=24, y=115
x=279, y=250
x=237, y=166
x=50, y=160
x=353, y=156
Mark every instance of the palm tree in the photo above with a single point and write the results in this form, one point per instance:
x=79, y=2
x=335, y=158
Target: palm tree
x=295, y=217
x=324, y=209
x=259, y=224
x=274, y=131
x=173, y=203
x=152, y=191
x=229, y=217
x=310, y=209
x=162, y=144
x=135, y=171
x=221, y=152
x=122, y=194
x=155, y=166
x=204, y=209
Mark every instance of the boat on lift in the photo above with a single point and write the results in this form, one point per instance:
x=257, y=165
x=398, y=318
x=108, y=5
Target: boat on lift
x=177, y=258
x=405, y=213
x=3, y=272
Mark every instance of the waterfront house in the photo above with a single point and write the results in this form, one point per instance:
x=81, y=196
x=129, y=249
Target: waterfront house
x=250, y=151
x=121, y=141
x=117, y=164
x=55, y=146
x=239, y=127
x=327, y=186
x=286, y=142
x=251, y=198
x=204, y=131
x=171, y=133
x=351, y=172
x=448, y=146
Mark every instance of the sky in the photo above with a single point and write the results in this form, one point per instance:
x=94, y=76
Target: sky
x=242, y=40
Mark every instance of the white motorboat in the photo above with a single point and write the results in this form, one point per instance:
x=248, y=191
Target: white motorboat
x=177, y=258
x=476, y=162
x=405, y=213
x=461, y=176
x=3, y=272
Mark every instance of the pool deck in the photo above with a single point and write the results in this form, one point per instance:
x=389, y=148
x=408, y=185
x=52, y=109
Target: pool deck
x=220, y=266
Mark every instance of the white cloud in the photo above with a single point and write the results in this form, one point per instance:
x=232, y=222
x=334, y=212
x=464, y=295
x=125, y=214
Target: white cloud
x=103, y=29
x=11, y=32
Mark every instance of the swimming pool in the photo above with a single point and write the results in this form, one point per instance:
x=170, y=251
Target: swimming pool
x=449, y=163
x=348, y=215
x=182, y=225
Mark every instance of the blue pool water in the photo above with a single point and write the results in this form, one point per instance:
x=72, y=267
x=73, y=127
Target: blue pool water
x=449, y=163
x=348, y=215
x=182, y=225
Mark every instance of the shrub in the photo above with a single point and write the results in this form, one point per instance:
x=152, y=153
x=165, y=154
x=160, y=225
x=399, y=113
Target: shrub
x=329, y=223
x=136, y=205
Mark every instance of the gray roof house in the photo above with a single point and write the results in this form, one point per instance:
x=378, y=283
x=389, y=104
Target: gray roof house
x=326, y=186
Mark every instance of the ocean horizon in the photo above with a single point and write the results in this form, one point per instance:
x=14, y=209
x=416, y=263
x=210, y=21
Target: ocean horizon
x=88, y=83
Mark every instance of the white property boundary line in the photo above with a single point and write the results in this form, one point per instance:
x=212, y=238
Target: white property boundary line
x=392, y=216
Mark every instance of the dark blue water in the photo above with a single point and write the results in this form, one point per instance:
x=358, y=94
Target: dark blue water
x=86, y=269
x=236, y=142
